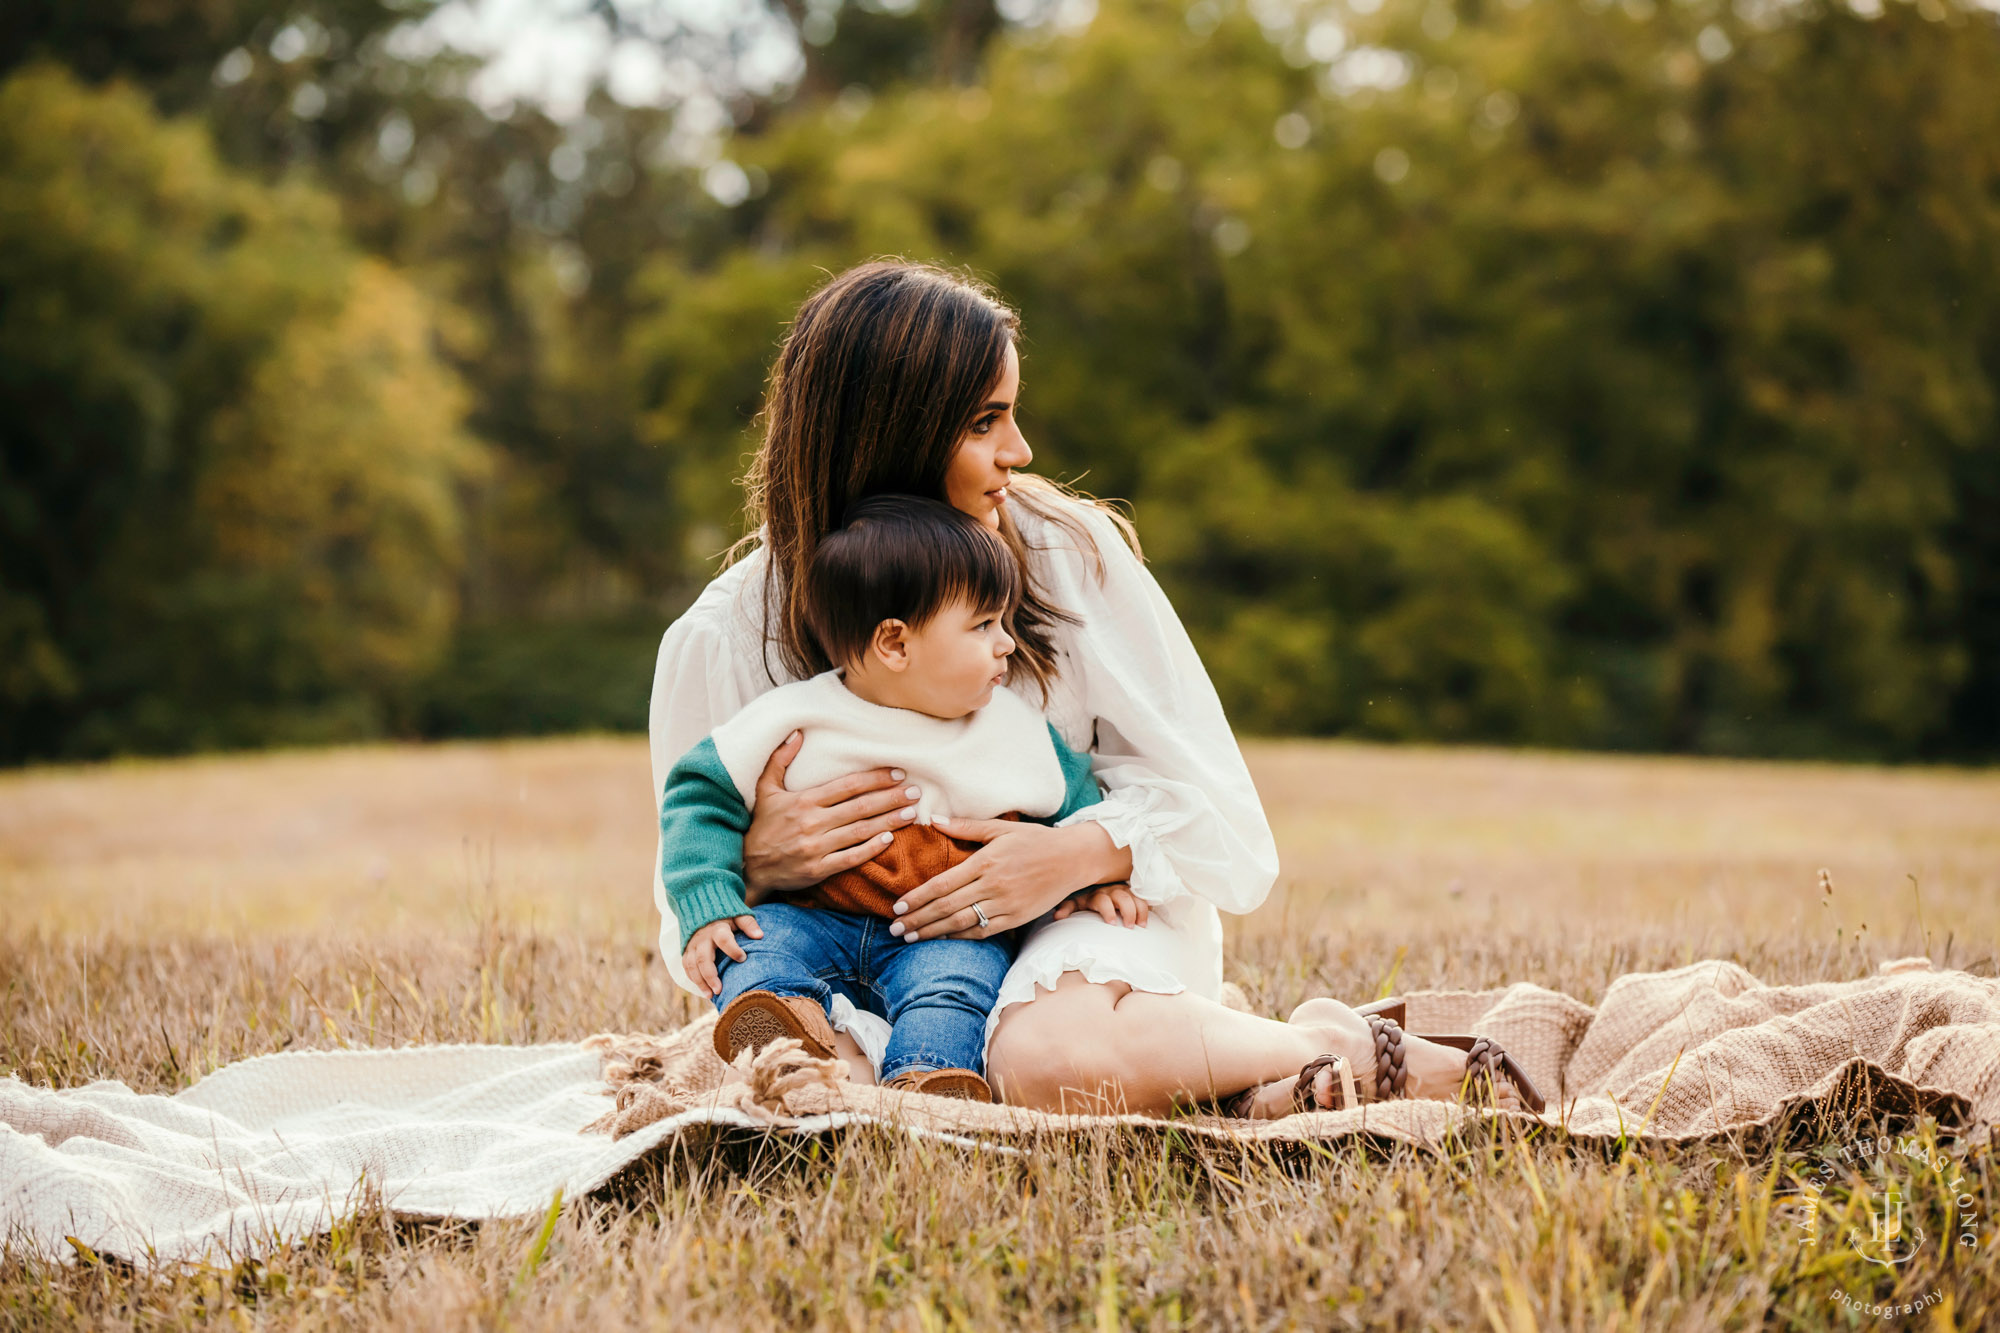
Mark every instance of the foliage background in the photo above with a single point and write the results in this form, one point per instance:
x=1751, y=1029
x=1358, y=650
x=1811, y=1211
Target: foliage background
x=1548, y=371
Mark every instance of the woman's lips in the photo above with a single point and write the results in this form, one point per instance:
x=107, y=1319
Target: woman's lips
x=998, y=496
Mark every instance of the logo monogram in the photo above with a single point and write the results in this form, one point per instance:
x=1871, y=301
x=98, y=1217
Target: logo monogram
x=1902, y=1179
x=1888, y=1243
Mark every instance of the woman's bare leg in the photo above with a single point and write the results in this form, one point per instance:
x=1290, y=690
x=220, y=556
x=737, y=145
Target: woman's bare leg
x=1106, y=1048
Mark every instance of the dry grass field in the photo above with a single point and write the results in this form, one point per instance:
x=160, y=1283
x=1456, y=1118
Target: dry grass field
x=158, y=920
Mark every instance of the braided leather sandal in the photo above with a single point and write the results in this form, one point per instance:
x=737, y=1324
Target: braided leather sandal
x=1391, y=1078
x=1486, y=1057
x=1486, y=1061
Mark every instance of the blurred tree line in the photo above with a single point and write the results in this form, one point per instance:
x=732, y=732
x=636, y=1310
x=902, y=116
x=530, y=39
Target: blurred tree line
x=1554, y=371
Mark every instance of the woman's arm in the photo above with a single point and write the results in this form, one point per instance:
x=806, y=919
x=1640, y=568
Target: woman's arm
x=798, y=838
x=1177, y=793
x=1178, y=801
x=1023, y=870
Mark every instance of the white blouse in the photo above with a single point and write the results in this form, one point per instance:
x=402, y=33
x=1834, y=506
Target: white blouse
x=1131, y=690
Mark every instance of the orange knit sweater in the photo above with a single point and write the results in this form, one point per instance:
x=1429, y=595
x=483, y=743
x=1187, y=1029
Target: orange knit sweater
x=872, y=888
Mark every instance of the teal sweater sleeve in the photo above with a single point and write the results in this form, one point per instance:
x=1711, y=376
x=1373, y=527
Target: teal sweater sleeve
x=702, y=821
x=1079, y=787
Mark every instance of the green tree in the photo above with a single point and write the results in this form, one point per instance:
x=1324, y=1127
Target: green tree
x=230, y=469
x=1572, y=373
x=1566, y=371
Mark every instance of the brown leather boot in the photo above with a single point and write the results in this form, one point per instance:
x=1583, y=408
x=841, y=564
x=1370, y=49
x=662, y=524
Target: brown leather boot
x=943, y=1083
x=757, y=1018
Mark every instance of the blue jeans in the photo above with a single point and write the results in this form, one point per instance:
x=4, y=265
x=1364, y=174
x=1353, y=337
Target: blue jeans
x=936, y=994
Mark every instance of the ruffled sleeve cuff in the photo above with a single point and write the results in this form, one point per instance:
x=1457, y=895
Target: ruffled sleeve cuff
x=1140, y=827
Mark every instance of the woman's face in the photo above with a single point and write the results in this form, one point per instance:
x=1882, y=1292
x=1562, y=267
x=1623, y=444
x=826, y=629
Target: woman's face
x=990, y=449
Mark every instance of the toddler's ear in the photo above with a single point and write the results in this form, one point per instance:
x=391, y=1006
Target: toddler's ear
x=890, y=645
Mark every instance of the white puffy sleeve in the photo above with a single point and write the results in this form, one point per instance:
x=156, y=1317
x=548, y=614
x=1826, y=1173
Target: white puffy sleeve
x=699, y=682
x=1177, y=791
x=695, y=688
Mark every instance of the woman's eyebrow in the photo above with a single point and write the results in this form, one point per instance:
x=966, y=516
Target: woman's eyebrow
x=996, y=405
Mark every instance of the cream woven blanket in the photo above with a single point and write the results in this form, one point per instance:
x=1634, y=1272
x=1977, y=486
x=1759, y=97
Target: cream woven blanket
x=278, y=1147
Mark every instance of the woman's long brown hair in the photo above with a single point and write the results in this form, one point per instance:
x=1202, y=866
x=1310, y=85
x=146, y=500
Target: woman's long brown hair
x=882, y=373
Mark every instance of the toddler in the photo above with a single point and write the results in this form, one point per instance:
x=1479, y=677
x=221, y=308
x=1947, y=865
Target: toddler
x=909, y=598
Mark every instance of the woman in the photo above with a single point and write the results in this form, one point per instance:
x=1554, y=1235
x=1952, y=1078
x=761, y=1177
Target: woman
x=904, y=378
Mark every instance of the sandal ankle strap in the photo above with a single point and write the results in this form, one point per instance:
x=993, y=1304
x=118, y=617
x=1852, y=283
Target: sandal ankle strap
x=1391, y=1077
x=1343, y=1069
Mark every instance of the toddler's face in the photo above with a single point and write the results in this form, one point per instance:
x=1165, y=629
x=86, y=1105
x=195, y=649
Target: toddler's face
x=956, y=660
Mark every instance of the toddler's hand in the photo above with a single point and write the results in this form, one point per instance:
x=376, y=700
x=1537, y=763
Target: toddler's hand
x=698, y=959
x=1114, y=902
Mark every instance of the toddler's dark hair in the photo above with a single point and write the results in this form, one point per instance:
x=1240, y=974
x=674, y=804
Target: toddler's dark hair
x=902, y=557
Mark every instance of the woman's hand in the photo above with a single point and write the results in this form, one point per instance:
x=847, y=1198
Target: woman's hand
x=1114, y=902
x=1023, y=870
x=798, y=838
